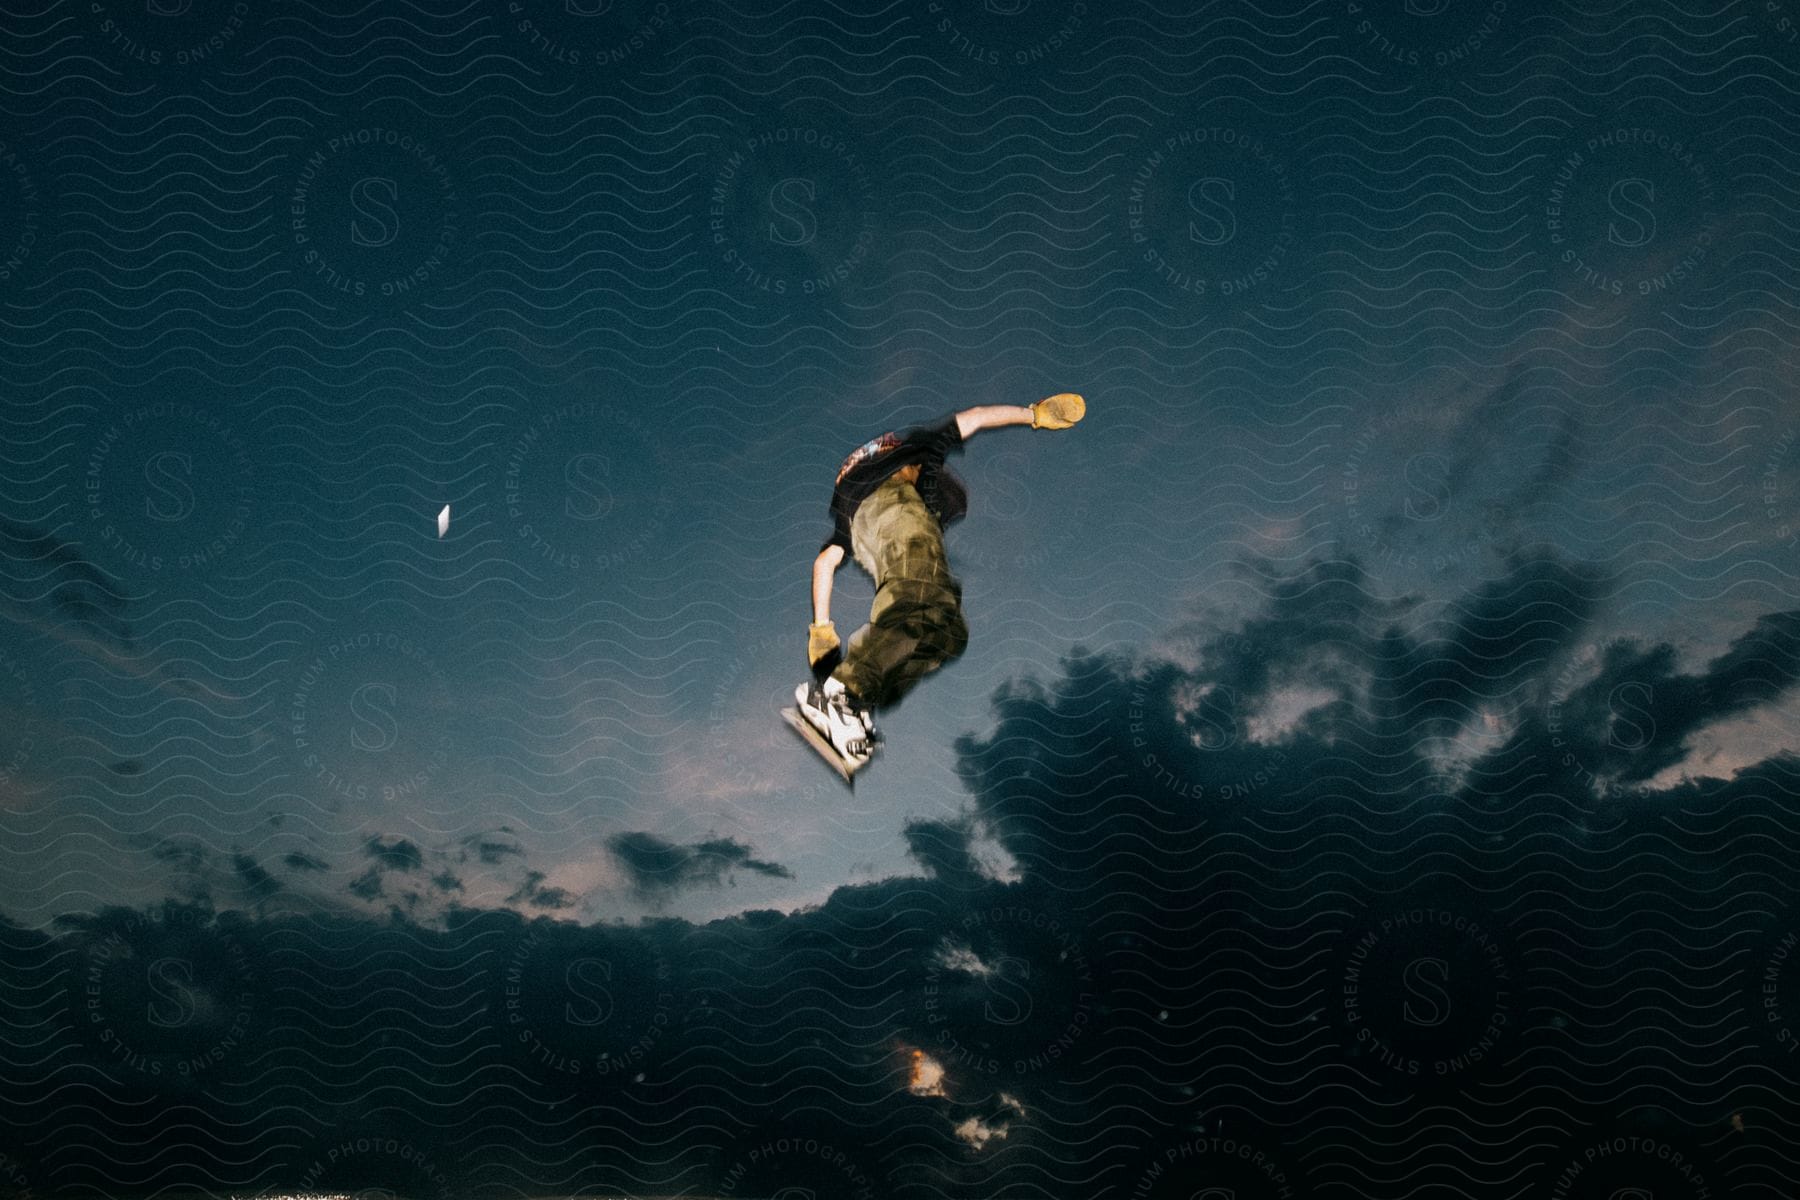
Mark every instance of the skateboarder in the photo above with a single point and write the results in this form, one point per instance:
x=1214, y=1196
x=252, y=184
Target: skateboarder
x=894, y=495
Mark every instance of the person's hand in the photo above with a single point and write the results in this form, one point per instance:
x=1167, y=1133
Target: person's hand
x=1058, y=412
x=822, y=648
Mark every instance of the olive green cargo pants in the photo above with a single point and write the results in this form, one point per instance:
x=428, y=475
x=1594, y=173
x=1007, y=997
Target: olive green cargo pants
x=916, y=623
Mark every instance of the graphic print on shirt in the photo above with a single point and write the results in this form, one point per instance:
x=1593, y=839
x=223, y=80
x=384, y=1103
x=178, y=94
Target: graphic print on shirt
x=866, y=451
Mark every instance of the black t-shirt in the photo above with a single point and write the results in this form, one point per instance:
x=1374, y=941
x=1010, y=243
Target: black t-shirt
x=870, y=464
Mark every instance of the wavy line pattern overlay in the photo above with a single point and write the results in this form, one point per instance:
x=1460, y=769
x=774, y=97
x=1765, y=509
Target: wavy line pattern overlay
x=1373, y=771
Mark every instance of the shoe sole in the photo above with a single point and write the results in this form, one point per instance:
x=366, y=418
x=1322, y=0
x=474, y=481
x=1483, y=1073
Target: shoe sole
x=825, y=749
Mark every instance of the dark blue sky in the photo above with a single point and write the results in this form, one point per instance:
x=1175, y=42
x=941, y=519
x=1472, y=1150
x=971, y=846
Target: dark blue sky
x=1474, y=319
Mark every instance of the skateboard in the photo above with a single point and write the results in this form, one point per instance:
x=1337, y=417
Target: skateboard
x=817, y=741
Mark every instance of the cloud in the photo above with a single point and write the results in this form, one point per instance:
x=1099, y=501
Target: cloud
x=534, y=893
x=1663, y=707
x=978, y=1133
x=1182, y=892
x=658, y=868
x=396, y=854
x=492, y=853
x=296, y=861
x=366, y=886
x=1761, y=666
x=942, y=847
x=1501, y=637
x=927, y=1075
x=257, y=884
x=201, y=876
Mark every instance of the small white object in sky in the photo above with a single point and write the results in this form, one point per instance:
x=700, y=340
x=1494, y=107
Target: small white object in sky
x=444, y=521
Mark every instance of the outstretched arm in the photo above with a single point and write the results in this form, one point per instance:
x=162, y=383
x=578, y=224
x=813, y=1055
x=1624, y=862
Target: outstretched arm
x=824, y=567
x=971, y=421
x=1052, y=412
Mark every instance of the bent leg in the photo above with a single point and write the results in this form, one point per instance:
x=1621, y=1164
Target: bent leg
x=916, y=623
x=915, y=627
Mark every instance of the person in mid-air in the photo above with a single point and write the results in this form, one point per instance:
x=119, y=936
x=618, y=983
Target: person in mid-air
x=894, y=495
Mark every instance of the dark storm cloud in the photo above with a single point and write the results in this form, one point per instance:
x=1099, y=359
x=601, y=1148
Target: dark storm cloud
x=297, y=861
x=1316, y=624
x=1665, y=707
x=194, y=868
x=1144, y=822
x=490, y=850
x=942, y=848
x=534, y=893
x=659, y=868
x=366, y=886
x=257, y=884
x=1760, y=667
x=1501, y=636
x=395, y=854
x=1326, y=627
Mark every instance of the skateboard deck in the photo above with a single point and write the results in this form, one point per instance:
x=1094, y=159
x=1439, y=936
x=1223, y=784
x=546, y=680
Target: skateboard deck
x=817, y=741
